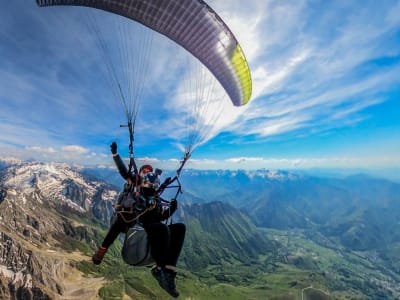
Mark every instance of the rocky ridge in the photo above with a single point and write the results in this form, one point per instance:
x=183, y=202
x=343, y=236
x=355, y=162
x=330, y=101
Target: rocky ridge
x=36, y=228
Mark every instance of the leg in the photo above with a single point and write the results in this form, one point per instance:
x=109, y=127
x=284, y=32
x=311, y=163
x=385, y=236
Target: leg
x=177, y=236
x=177, y=233
x=159, y=239
x=115, y=229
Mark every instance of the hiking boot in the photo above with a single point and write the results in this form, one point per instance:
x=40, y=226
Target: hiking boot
x=170, y=277
x=98, y=256
x=166, y=280
x=158, y=274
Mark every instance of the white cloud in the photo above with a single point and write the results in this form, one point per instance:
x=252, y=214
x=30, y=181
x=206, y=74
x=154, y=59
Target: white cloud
x=75, y=149
x=244, y=159
x=268, y=81
x=301, y=163
x=147, y=160
x=48, y=150
x=70, y=154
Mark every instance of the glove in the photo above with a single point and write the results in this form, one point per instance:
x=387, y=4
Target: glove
x=113, y=147
x=173, y=204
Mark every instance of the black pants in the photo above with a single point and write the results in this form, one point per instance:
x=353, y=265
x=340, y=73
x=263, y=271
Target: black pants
x=116, y=228
x=166, y=242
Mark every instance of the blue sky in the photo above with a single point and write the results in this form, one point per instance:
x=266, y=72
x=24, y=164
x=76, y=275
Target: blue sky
x=326, y=88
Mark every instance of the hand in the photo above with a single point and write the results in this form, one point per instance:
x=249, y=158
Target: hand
x=173, y=204
x=113, y=147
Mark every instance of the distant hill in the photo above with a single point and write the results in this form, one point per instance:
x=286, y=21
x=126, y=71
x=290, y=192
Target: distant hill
x=219, y=232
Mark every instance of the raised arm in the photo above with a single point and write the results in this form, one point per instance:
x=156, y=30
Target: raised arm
x=122, y=169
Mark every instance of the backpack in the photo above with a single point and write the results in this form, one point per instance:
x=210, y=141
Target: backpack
x=136, y=248
x=125, y=206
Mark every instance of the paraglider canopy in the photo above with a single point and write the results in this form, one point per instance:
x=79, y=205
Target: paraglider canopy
x=193, y=25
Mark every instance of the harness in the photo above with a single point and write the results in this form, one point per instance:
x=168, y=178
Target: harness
x=132, y=211
x=120, y=208
x=128, y=205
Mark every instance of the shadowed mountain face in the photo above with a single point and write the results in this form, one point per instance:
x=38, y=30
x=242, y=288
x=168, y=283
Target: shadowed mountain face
x=218, y=232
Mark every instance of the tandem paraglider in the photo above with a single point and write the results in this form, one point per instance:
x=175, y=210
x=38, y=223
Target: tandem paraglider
x=141, y=212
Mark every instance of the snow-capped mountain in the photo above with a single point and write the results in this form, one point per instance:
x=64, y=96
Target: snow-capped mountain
x=277, y=175
x=200, y=186
x=61, y=185
x=40, y=206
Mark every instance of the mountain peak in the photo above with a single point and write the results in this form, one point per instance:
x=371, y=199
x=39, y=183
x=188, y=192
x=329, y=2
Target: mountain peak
x=60, y=185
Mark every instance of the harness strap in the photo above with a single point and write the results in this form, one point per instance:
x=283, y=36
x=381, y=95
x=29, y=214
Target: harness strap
x=121, y=213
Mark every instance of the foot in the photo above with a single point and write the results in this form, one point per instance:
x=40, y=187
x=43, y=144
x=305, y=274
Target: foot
x=98, y=256
x=166, y=279
x=170, y=277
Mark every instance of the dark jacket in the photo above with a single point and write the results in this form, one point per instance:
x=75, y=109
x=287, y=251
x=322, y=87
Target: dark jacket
x=161, y=210
x=123, y=170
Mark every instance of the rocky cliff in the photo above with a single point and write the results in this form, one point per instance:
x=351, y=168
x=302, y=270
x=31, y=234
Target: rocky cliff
x=39, y=226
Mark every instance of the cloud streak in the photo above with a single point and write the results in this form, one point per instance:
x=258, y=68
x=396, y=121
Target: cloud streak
x=322, y=74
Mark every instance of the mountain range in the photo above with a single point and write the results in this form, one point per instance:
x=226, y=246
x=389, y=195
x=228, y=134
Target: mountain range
x=52, y=217
x=339, y=208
